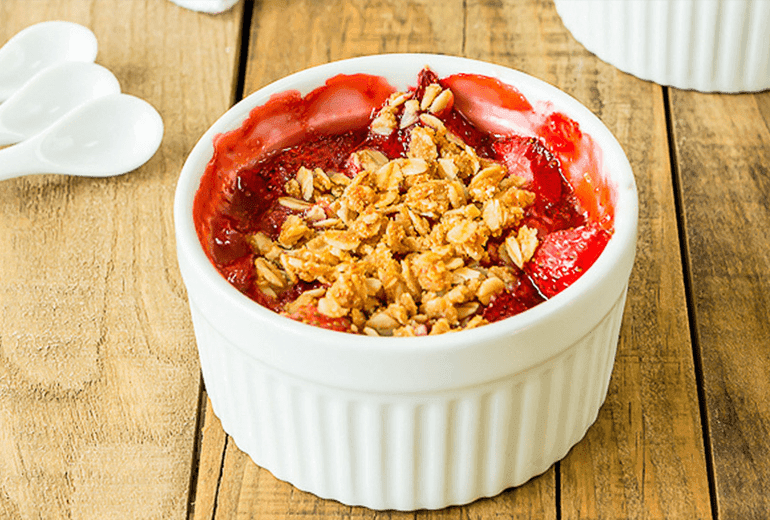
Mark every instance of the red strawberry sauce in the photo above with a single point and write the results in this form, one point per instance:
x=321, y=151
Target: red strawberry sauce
x=573, y=211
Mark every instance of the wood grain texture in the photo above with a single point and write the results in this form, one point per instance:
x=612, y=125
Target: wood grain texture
x=643, y=458
x=99, y=378
x=291, y=35
x=723, y=152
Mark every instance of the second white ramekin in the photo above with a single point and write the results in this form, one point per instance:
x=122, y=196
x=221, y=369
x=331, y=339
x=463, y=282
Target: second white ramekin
x=705, y=45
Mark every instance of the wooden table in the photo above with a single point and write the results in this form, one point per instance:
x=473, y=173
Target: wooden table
x=102, y=410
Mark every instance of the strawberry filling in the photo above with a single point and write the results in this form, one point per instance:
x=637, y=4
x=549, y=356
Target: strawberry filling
x=240, y=189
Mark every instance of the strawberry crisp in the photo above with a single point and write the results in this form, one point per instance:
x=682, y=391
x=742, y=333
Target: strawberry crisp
x=414, y=223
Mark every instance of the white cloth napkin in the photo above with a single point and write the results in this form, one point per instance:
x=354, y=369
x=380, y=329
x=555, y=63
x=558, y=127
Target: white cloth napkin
x=207, y=6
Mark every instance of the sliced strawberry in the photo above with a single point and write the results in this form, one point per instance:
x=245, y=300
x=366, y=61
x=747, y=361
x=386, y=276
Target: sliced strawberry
x=424, y=78
x=240, y=273
x=311, y=315
x=561, y=133
x=489, y=104
x=527, y=157
x=273, y=219
x=564, y=256
x=514, y=301
x=227, y=242
x=344, y=103
x=512, y=152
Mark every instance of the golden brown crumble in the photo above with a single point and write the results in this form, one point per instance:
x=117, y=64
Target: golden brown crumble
x=400, y=247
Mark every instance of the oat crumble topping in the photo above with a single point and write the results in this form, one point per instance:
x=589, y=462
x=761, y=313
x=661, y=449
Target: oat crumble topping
x=400, y=247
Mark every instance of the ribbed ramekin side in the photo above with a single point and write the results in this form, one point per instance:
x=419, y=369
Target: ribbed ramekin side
x=757, y=48
x=718, y=45
x=409, y=451
x=557, y=405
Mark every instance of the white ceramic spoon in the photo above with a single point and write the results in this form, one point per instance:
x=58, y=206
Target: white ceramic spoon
x=49, y=95
x=107, y=136
x=40, y=45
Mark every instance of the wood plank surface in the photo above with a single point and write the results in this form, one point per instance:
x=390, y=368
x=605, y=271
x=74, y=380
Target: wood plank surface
x=644, y=457
x=723, y=153
x=99, y=379
x=102, y=414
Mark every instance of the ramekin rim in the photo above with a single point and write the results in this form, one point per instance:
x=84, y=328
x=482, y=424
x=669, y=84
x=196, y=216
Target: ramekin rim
x=624, y=235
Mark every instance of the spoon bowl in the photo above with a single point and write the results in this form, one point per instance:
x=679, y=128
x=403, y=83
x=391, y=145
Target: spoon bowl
x=39, y=46
x=107, y=136
x=49, y=95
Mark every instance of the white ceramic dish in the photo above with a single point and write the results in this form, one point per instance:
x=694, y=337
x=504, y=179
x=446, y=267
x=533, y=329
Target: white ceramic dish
x=706, y=45
x=409, y=423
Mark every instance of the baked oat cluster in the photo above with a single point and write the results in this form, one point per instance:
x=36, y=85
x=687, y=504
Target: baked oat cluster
x=399, y=249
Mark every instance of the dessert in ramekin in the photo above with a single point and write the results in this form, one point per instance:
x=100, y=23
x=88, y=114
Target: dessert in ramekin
x=706, y=45
x=408, y=422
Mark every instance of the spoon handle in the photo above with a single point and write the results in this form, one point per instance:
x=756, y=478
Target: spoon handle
x=22, y=159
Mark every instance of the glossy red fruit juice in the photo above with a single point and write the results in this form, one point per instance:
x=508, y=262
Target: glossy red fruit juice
x=239, y=192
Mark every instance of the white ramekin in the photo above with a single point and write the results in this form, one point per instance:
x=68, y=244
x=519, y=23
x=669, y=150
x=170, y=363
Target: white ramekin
x=706, y=45
x=409, y=423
